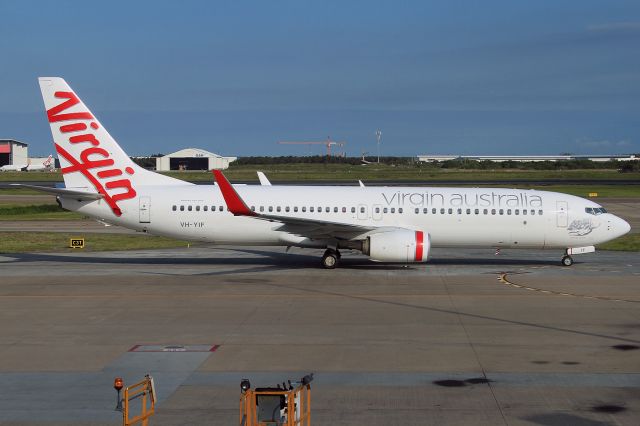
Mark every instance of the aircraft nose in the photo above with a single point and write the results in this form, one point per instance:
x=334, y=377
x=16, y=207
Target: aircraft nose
x=621, y=226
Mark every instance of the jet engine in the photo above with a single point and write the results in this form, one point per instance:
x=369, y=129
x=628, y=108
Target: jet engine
x=398, y=246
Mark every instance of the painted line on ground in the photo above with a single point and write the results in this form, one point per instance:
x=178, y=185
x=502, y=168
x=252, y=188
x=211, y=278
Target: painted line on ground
x=504, y=280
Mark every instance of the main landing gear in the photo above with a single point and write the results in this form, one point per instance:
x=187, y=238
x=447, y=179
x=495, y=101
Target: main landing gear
x=330, y=258
x=567, y=260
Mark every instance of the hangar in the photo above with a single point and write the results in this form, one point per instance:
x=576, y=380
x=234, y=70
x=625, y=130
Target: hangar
x=192, y=159
x=13, y=152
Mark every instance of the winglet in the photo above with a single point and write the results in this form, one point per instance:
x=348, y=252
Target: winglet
x=235, y=204
x=263, y=179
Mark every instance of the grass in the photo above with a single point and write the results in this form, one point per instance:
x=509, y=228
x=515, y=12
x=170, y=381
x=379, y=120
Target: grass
x=25, y=242
x=36, y=212
x=629, y=242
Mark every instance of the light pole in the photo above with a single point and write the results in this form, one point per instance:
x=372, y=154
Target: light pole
x=378, y=136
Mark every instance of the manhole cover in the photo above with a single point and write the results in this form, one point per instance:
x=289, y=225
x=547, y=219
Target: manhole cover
x=174, y=348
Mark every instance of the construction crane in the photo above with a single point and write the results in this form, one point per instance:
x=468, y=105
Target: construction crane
x=328, y=143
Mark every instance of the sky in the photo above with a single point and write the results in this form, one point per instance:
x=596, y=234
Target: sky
x=235, y=77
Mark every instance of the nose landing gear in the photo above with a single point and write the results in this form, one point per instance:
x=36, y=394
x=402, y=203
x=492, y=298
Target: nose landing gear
x=567, y=260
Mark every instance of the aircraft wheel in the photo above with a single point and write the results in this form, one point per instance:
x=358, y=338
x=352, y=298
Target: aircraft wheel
x=567, y=260
x=329, y=259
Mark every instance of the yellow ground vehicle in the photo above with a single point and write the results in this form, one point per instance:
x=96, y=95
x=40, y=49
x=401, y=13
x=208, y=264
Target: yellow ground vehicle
x=289, y=405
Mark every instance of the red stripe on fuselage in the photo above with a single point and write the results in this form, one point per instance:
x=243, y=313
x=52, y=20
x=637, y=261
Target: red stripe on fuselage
x=419, y=246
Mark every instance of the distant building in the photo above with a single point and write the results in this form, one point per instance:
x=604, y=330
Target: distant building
x=13, y=152
x=192, y=159
x=526, y=158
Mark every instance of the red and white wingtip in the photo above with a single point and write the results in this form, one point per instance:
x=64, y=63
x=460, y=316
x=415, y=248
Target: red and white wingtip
x=235, y=204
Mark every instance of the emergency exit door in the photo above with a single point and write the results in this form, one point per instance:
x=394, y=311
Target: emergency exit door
x=145, y=209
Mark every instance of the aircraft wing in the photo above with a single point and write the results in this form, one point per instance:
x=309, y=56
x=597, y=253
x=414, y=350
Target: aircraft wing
x=77, y=194
x=312, y=228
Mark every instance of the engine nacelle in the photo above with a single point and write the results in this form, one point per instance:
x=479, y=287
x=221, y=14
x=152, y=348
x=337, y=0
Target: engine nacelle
x=398, y=246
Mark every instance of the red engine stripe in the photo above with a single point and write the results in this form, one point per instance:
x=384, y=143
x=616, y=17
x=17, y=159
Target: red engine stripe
x=419, y=246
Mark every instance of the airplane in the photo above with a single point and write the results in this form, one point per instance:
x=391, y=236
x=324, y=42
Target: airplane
x=387, y=224
x=46, y=165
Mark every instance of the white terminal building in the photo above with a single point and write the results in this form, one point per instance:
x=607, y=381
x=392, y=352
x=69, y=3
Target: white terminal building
x=193, y=159
x=526, y=158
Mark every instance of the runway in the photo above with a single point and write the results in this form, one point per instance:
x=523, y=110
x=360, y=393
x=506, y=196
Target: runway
x=469, y=338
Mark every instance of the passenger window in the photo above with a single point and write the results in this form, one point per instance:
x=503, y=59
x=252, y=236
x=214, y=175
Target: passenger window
x=353, y=209
x=295, y=209
x=524, y=212
x=362, y=209
x=493, y=211
x=221, y=208
x=459, y=211
x=417, y=210
x=509, y=211
x=385, y=210
x=539, y=212
x=533, y=212
x=327, y=209
x=304, y=210
x=399, y=209
x=190, y=208
x=174, y=208
x=425, y=210
x=278, y=209
x=253, y=208
x=477, y=211
x=261, y=208
x=344, y=210
x=181, y=208
x=485, y=211
x=270, y=209
x=501, y=211
x=197, y=208
x=468, y=211
x=377, y=209
x=206, y=208
x=517, y=212
x=450, y=211
x=320, y=209
x=434, y=211
x=335, y=210
x=311, y=209
x=286, y=209
x=442, y=211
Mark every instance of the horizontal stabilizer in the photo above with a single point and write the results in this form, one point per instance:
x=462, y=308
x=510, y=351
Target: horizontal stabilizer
x=64, y=192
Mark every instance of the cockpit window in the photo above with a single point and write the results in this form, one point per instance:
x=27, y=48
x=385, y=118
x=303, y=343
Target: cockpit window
x=595, y=210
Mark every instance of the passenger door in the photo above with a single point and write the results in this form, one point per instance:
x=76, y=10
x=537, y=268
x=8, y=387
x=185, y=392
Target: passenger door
x=562, y=218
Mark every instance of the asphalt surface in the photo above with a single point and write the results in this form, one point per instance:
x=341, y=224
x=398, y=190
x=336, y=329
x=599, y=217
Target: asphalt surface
x=469, y=338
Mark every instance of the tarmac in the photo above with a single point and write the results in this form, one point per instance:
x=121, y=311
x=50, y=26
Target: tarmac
x=468, y=338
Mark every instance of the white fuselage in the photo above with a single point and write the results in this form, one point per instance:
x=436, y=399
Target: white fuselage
x=453, y=217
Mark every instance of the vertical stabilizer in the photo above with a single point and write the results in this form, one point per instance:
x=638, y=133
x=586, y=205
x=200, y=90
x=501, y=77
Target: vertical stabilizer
x=90, y=159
